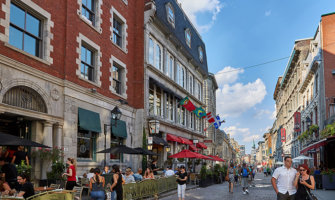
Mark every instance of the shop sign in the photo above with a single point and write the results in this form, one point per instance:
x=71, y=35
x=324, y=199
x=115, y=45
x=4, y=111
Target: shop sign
x=207, y=141
x=150, y=139
x=283, y=135
x=297, y=122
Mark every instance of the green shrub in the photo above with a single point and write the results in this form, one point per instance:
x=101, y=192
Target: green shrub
x=203, y=172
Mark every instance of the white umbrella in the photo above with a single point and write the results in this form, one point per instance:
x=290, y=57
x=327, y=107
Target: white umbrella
x=279, y=163
x=302, y=158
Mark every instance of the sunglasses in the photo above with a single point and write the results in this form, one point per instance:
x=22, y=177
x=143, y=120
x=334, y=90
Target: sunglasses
x=302, y=170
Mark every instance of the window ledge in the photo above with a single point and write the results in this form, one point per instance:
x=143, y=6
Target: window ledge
x=89, y=23
x=91, y=82
x=125, y=2
x=27, y=54
x=122, y=49
x=124, y=96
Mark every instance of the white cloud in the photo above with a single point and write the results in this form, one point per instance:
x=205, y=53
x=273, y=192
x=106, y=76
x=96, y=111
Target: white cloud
x=233, y=130
x=274, y=114
x=235, y=98
x=241, y=134
x=192, y=7
x=250, y=138
x=227, y=75
x=267, y=13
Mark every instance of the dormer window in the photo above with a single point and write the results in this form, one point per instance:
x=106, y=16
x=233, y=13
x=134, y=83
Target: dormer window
x=170, y=14
x=188, y=37
x=201, y=54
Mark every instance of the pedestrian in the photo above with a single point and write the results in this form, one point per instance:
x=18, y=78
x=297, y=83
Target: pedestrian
x=97, y=186
x=27, y=188
x=19, y=156
x=231, y=175
x=181, y=180
x=116, y=186
x=245, y=175
x=71, y=174
x=154, y=167
x=285, y=177
x=303, y=182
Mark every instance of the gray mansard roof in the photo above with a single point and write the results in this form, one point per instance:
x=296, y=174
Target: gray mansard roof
x=181, y=24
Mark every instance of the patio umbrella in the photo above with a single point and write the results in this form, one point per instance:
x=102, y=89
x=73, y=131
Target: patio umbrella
x=216, y=158
x=120, y=149
x=144, y=151
x=302, y=157
x=11, y=140
x=189, y=154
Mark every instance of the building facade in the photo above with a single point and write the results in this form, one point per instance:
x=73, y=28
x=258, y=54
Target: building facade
x=64, y=67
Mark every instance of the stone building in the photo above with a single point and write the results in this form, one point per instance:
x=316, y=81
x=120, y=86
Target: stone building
x=175, y=68
x=64, y=65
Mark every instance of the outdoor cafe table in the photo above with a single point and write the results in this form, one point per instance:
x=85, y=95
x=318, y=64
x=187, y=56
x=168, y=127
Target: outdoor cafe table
x=42, y=189
x=10, y=197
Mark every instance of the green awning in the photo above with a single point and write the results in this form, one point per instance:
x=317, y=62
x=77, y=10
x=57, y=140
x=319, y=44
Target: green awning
x=119, y=129
x=88, y=120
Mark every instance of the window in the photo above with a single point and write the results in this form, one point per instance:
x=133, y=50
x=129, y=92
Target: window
x=198, y=90
x=25, y=31
x=190, y=85
x=158, y=101
x=181, y=114
x=316, y=84
x=155, y=54
x=169, y=65
x=86, y=143
x=188, y=37
x=170, y=14
x=169, y=107
x=116, y=79
x=87, y=10
x=191, y=124
x=181, y=75
x=201, y=54
x=87, y=66
x=117, y=32
x=155, y=100
x=115, y=141
x=151, y=99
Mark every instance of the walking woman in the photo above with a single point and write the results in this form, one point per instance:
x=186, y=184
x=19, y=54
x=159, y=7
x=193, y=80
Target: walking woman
x=97, y=186
x=231, y=175
x=117, y=182
x=303, y=182
x=71, y=174
x=181, y=179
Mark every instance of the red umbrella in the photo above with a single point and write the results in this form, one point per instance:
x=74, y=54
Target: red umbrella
x=216, y=158
x=189, y=154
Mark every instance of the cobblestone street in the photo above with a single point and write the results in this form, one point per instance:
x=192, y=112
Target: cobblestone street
x=262, y=191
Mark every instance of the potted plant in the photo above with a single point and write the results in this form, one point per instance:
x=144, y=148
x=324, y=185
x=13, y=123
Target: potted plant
x=55, y=175
x=24, y=169
x=203, y=177
x=217, y=174
x=328, y=179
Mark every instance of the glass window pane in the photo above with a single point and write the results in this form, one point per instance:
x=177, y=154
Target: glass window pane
x=158, y=56
x=151, y=51
x=89, y=57
x=83, y=54
x=33, y=25
x=15, y=37
x=17, y=16
x=82, y=70
x=90, y=73
x=30, y=45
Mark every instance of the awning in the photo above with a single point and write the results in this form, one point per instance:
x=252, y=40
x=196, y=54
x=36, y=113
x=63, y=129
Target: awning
x=314, y=146
x=119, y=129
x=173, y=138
x=185, y=141
x=216, y=158
x=88, y=120
x=193, y=148
x=159, y=141
x=201, y=145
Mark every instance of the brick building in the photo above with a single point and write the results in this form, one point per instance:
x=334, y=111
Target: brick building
x=64, y=65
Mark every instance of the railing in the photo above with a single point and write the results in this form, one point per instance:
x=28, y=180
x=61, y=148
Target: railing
x=146, y=188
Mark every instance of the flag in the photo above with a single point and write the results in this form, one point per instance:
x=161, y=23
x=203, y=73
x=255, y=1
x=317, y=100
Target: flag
x=209, y=117
x=218, y=122
x=186, y=103
x=200, y=112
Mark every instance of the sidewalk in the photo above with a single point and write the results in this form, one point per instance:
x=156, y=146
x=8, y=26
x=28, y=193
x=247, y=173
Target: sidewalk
x=324, y=194
x=173, y=192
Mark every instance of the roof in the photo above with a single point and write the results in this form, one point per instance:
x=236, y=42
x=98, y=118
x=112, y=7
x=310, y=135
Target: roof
x=277, y=88
x=332, y=13
x=212, y=76
x=181, y=24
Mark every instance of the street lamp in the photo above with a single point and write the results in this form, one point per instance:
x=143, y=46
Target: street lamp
x=116, y=115
x=308, y=122
x=168, y=148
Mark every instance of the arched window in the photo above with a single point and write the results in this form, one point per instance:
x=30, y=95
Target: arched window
x=188, y=37
x=170, y=14
x=25, y=97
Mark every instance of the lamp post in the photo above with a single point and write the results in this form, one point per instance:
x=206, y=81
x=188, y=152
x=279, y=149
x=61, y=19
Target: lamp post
x=116, y=115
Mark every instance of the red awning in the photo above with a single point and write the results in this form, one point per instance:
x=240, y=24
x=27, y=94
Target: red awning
x=189, y=154
x=201, y=145
x=193, y=148
x=185, y=141
x=216, y=158
x=314, y=146
x=173, y=138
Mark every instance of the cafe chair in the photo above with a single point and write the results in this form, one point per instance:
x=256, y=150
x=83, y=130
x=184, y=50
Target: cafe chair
x=78, y=193
x=193, y=178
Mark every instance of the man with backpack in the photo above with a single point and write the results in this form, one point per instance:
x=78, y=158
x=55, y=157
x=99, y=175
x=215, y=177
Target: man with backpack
x=245, y=172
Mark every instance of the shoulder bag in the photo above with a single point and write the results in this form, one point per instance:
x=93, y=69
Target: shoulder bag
x=311, y=196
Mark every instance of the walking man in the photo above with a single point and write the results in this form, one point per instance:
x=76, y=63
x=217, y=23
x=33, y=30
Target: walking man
x=284, y=176
x=245, y=175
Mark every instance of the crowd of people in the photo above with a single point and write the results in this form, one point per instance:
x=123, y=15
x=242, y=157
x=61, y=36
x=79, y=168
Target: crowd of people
x=242, y=175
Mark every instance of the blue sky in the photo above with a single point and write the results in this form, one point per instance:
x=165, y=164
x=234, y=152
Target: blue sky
x=241, y=33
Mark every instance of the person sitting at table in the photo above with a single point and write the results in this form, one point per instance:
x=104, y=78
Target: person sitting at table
x=9, y=173
x=90, y=174
x=4, y=187
x=19, y=156
x=97, y=185
x=154, y=167
x=129, y=178
x=27, y=188
x=106, y=170
x=149, y=174
x=138, y=176
x=169, y=172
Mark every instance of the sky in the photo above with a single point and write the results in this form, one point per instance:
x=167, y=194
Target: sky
x=243, y=33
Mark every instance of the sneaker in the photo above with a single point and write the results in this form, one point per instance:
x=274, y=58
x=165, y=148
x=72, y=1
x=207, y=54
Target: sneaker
x=247, y=191
x=244, y=193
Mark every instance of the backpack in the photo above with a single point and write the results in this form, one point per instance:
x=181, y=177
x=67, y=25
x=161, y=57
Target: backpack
x=244, y=172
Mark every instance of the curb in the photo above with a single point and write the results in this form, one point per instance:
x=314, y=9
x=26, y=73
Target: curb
x=170, y=193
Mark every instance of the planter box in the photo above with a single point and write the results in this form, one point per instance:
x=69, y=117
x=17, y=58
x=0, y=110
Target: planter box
x=206, y=182
x=328, y=182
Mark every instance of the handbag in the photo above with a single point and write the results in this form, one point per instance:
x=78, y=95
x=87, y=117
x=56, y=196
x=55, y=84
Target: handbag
x=311, y=196
x=227, y=178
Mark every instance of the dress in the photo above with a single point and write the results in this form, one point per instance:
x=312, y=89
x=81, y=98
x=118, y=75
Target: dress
x=301, y=192
x=118, y=187
x=231, y=175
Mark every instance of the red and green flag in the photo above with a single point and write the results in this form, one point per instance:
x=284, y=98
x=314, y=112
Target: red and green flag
x=186, y=103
